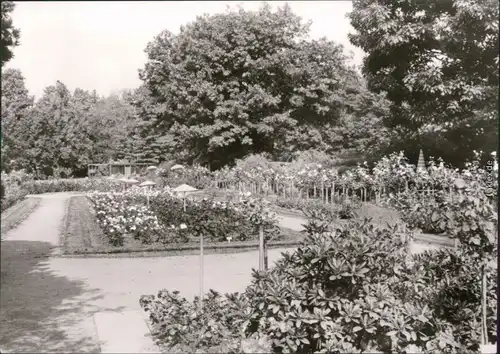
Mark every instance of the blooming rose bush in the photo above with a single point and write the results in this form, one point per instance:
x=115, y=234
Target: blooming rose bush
x=118, y=216
x=218, y=220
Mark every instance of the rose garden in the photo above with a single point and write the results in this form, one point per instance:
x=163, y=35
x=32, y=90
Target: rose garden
x=350, y=284
x=255, y=186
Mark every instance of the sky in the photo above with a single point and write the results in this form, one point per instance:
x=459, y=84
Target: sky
x=100, y=45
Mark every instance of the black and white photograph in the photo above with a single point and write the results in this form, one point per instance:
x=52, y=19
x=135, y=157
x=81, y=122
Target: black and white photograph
x=249, y=177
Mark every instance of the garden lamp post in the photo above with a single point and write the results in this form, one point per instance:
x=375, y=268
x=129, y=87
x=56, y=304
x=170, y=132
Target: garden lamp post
x=149, y=184
x=184, y=188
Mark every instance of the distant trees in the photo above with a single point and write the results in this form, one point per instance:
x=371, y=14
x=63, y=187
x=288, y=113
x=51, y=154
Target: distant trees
x=239, y=83
x=438, y=63
x=62, y=131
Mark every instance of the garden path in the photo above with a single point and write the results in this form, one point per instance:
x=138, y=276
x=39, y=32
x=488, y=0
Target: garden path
x=51, y=304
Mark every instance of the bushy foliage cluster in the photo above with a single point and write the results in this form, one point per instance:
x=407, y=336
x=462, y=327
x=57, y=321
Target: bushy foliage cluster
x=352, y=289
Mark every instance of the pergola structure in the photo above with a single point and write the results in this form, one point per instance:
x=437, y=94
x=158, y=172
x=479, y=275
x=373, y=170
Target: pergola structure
x=114, y=168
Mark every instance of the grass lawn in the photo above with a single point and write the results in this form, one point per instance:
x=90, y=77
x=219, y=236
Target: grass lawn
x=17, y=213
x=81, y=235
x=380, y=216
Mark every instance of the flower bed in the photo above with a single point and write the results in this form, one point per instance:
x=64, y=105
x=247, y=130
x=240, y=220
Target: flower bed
x=123, y=215
x=82, y=234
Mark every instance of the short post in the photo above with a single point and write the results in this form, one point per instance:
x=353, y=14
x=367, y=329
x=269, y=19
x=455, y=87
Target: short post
x=261, y=248
x=201, y=271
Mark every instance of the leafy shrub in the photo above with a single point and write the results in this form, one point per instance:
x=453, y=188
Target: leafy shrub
x=423, y=211
x=347, y=289
x=12, y=190
x=342, y=208
x=180, y=326
x=214, y=219
x=72, y=185
x=449, y=283
x=12, y=196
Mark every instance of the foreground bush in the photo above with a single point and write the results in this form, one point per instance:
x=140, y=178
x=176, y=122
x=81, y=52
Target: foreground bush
x=354, y=290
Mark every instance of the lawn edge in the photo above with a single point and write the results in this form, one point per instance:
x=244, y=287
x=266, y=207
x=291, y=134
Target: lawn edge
x=15, y=217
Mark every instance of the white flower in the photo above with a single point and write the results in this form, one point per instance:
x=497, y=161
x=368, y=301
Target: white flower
x=494, y=153
x=183, y=226
x=172, y=226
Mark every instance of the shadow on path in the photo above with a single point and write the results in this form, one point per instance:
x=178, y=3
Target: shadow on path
x=42, y=311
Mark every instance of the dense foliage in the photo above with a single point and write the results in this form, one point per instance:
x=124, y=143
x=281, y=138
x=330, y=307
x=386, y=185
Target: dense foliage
x=10, y=35
x=352, y=289
x=438, y=64
x=473, y=188
x=62, y=132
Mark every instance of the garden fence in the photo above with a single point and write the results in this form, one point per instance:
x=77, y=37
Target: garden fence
x=328, y=191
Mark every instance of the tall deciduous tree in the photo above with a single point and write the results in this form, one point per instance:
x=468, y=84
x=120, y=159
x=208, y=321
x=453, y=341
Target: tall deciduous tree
x=60, y=133
x=10, y=35
x=438, y=63
x=16, y=103
x=245, y=82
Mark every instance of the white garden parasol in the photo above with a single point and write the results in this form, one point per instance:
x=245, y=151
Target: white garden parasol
x=147, y=184
x=128, y=181
x=176, y=167
x=184, y=188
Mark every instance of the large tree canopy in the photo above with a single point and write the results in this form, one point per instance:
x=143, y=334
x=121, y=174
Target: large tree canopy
x=438, y=63
x=10, y=35
x=246, y=82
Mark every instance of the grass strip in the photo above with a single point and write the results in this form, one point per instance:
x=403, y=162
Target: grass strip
x=16, y=214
